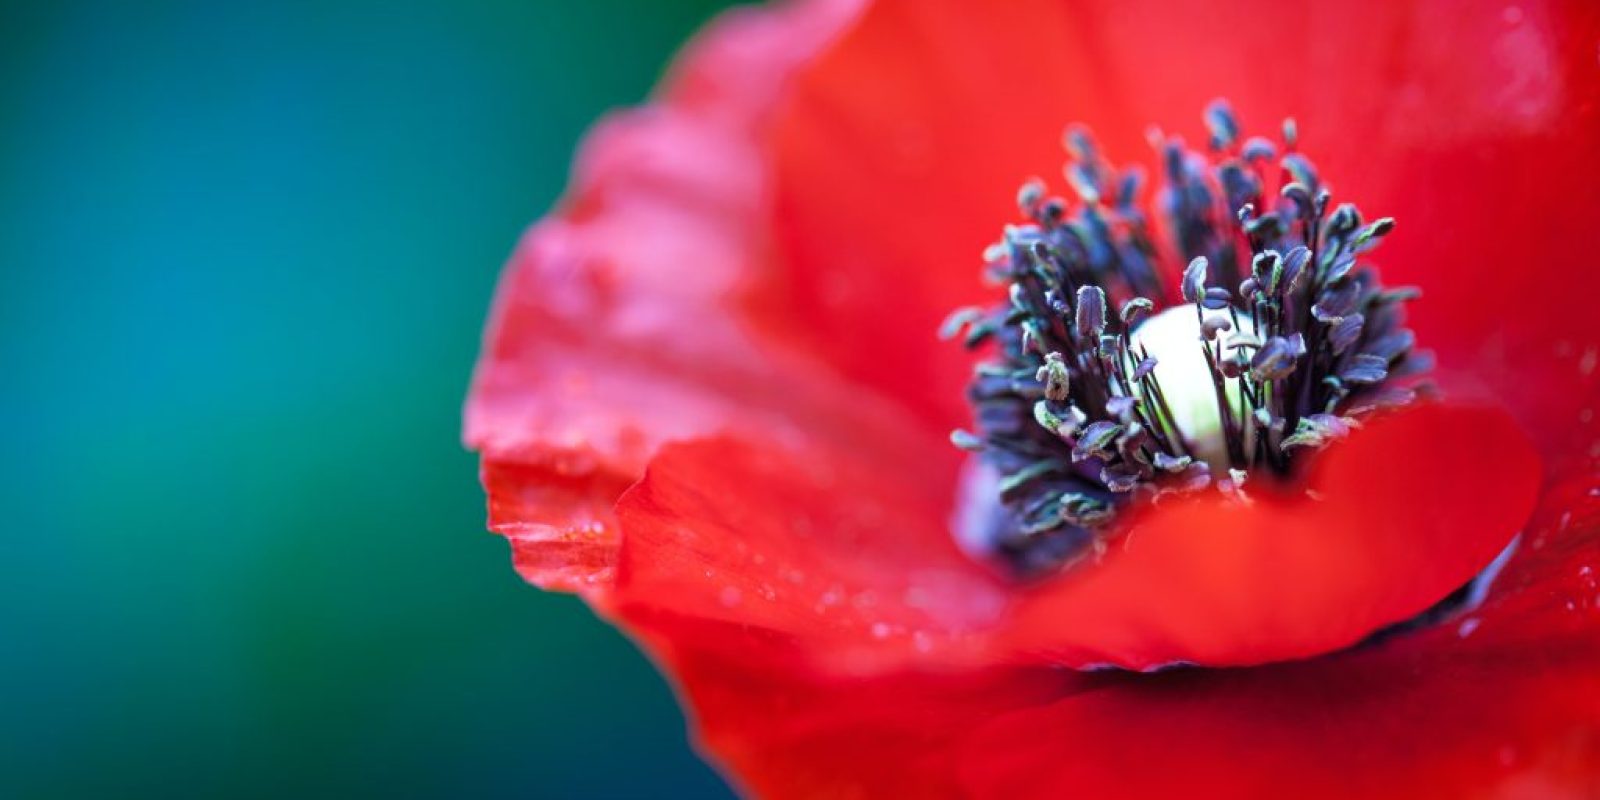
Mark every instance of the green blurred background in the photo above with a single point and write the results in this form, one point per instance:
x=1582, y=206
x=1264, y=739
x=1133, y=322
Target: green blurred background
x=246, y=249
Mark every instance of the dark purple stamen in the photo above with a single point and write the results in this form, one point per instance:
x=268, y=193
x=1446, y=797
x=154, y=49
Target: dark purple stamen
x=1296, y=333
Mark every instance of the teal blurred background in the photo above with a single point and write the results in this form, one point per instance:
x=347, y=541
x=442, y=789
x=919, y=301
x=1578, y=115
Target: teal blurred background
x=245, y=251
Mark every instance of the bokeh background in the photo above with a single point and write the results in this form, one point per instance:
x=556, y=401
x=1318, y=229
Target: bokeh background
x=245, y=250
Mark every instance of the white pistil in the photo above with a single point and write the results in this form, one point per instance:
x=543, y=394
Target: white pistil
x=1173, y=337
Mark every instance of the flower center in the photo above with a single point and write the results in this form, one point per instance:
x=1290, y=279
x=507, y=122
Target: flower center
x=1103, y=392
x=1169, y=337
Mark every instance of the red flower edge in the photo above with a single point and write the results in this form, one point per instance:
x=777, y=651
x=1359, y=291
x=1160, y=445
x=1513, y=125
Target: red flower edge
x=560, y=443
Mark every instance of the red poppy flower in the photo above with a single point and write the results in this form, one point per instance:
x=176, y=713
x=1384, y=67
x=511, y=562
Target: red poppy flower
x=711, y=402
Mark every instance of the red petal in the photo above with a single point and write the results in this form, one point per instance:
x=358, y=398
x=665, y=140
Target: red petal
x=851, y=563
x=1473, y=125
x=848, y=561
x=1502, y=703
x=615, y=326
x=1398, y=722
x=779, y=732
x=1410, y=509
x=555, y=509
x=898, y=161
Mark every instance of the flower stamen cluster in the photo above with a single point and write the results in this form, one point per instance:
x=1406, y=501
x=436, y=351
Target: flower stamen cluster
x=1090, y=405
